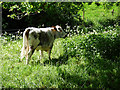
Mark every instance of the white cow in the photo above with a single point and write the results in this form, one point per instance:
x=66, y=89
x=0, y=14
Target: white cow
x=40, y=39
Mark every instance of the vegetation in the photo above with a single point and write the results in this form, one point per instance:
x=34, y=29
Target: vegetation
x=43, y=14
x=86, y=61
x=87, y=58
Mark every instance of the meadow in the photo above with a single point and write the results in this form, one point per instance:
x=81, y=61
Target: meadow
x=83, y=61
x=90, y=59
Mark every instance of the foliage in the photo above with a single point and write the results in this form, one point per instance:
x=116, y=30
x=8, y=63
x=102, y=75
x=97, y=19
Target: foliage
x=100, y=52
x=84, y=61
x=96, y=13
x=107, y=22
x=107, y=45
x=87, y=58
x=44, y=13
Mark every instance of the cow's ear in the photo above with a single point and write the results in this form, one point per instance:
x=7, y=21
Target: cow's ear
x=54, y=28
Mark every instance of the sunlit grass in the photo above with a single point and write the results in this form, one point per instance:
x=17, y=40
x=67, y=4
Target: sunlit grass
x=88, y=60
x=81, y=66
x=95, y=14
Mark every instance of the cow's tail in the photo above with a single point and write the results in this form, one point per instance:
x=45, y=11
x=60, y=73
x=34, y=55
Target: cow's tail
x=25, y=47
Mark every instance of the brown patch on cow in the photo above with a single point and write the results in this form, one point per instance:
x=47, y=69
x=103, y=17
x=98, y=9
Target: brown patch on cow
x=54, y=28
x=27, y=33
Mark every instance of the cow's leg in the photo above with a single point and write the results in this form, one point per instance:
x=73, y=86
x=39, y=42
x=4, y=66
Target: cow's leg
x=41, y=54
x=31, y=51
x=26, y=51
x=49, y=53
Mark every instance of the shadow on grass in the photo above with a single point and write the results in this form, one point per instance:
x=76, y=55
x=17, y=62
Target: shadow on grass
x=108, y=47
x=103, y=70
x=57, y=61
x=106, y=65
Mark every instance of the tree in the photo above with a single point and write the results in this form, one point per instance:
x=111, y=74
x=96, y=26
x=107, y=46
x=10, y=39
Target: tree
x=48, y=13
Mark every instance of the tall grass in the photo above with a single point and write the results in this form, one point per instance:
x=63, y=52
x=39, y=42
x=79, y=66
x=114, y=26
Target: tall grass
x=86, y=61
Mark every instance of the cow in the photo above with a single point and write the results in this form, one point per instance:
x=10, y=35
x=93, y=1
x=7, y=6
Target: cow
x=40, y=39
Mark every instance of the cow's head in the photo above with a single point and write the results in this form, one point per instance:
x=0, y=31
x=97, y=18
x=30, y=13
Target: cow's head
x=59, y=33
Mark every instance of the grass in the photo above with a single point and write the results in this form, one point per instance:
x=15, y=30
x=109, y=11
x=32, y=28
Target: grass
x=17, y=74
x=96, y=13
x=96, y=19
x=82, y=61
x=77, y=62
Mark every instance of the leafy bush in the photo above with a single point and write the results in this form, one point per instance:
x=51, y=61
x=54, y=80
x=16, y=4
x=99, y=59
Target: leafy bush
x=100, y=52
x=105, y=44
x=40, y=14
x=107, y=22
x=118, y=20
x=88, y=23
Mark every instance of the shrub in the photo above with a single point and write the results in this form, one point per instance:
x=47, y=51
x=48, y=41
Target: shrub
x=118, y=20
x=98, y=55
x=88, y=23
x=107, y=22
x=106, y=44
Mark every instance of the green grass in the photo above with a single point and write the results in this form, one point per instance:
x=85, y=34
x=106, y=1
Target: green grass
x=82, y=61
x=96, y=19
x=95, y=13
x=17, y=74
x=86, y=61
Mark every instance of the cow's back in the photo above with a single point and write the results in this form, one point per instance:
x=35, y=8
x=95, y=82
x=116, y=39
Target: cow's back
x=41, y=39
